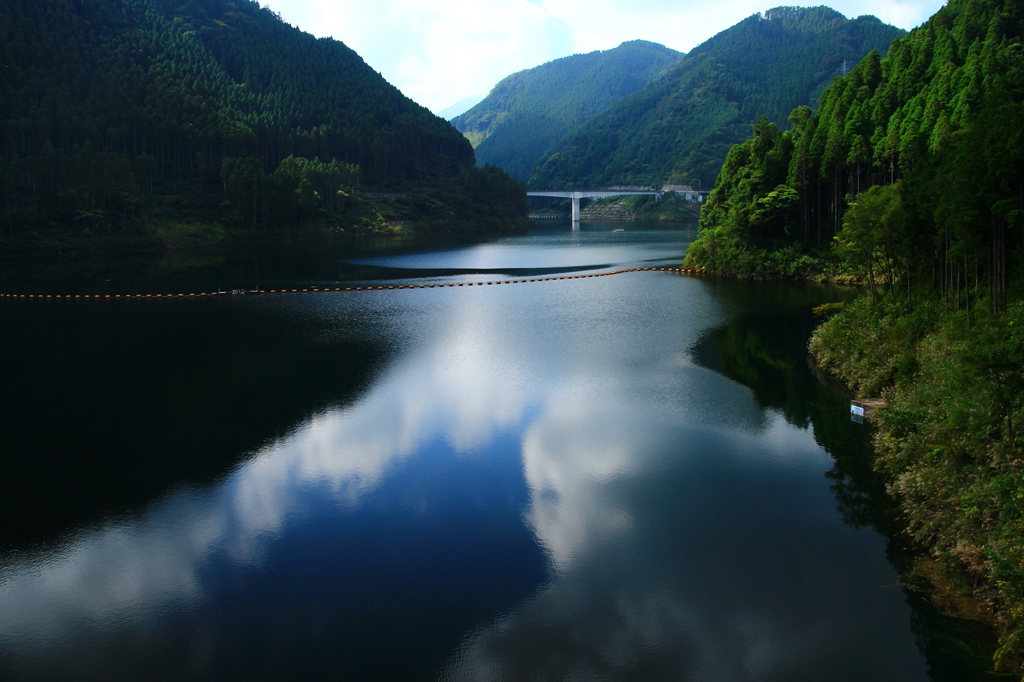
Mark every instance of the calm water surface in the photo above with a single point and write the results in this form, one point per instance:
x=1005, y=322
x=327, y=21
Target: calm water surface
x=633, y=477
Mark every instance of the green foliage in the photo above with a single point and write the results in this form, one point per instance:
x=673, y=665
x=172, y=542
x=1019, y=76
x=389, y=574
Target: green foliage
x=827, y=310
x=867, y=344
x=747, y=222
x=938, y=122
x=118, y=115
x=679, y=128
x=531, y=110
x=670, y=206
x=299, y=191
x=874, y=236
x=481, y=197
x=949, y=440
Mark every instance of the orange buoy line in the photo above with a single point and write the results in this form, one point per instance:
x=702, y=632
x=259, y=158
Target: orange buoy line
x=239, y=292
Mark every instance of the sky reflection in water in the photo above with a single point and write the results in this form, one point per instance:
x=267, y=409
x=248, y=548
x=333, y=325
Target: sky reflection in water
x=540, y=484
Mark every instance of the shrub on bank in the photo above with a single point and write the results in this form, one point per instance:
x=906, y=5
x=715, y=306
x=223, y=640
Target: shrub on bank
x=786, y=262
x=949, y=440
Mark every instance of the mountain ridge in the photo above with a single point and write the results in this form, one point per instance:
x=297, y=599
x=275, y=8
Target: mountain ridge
x=678, y=129
x=531, y=109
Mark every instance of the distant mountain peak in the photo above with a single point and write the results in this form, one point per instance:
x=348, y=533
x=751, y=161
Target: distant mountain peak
x=460, y=107
x=532, y=109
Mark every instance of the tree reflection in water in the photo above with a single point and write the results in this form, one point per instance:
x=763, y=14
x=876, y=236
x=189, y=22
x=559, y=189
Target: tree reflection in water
x=766, y=352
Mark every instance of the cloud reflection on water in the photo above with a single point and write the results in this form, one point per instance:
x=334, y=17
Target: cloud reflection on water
x=716, y=564
x=638, y=464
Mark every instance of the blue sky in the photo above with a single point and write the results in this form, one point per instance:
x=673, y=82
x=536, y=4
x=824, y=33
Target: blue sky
x=441, y=51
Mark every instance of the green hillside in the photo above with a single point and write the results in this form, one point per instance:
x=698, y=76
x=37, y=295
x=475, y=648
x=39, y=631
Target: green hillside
x=531, y=110
x=910, y=179
x=679, y=128
x=118, y=115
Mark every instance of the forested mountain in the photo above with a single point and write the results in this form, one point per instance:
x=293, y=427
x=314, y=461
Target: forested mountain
x=678, y=129
x=115, y=113
x=531, y=110
x=937, y=124
x=913, y=172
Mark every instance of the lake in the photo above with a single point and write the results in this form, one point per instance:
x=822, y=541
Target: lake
x=636, y=476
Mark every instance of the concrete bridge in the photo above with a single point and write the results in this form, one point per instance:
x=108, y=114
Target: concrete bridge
x=577, y=195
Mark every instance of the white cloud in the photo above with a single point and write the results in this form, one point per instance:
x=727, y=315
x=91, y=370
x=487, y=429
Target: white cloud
x=906, y=15
x=441, y=51
x=604, y=24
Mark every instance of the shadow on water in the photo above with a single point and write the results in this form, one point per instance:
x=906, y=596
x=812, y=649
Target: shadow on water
x=185, y=271
x=288, y=265
x=147, y=398
x=767, y=353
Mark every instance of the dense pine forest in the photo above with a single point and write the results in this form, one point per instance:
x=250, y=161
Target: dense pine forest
x=679, y=129
x=140, y=121
x=910, y=179
x=528, y=112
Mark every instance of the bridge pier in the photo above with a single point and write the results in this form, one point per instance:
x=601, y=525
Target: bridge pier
x=577, y=195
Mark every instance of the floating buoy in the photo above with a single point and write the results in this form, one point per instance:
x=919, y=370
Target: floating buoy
x=691, y=271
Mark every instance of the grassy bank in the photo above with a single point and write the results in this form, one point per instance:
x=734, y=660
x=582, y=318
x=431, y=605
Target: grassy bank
x=949, y=441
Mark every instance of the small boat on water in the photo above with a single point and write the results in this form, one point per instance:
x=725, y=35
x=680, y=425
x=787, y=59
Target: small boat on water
x=619, y=230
